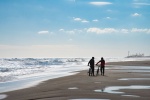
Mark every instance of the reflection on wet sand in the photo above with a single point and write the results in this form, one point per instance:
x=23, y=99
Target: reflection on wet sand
x=115, y=89
x=72, y=88
x=124, y=79
x=131, y=68
x=2, y=96
x=131, y=95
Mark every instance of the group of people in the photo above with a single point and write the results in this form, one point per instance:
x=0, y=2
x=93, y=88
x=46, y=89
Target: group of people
x=100, y=63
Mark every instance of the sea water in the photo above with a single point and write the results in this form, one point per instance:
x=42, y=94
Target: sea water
x=18, y=73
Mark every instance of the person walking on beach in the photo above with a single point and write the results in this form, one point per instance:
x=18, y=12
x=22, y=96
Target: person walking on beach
x=91, y=63
x=102, y=61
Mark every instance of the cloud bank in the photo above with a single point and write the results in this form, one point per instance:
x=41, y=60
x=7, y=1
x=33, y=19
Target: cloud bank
x=97, y=30
x=113, y=30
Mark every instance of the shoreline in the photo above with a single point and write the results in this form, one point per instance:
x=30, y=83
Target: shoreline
x=130, y=63
x=81, y=86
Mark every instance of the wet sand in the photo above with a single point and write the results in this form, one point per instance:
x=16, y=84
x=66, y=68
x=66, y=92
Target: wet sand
x=131, y=63
x=82, y=87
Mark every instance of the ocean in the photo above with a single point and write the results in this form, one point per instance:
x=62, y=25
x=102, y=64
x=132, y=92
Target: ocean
x=18, y=73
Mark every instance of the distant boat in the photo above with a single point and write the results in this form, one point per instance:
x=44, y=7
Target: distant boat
x=137, y=55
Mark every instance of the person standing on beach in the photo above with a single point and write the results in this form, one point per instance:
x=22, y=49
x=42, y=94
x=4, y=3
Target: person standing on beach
x=91, y=63
x=102, y=61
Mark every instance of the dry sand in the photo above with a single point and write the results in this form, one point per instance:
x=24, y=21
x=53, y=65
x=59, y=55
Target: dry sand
x=82, y=86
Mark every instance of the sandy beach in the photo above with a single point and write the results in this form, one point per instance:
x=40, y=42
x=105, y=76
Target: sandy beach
x=84, y=87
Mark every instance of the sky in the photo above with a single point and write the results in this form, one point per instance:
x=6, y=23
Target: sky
x=74, y=28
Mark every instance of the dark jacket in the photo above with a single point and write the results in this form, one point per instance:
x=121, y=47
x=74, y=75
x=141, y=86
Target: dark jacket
x=91, y=62
x=102, y=61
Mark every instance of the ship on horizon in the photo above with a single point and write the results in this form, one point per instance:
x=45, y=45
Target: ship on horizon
x=137, y=55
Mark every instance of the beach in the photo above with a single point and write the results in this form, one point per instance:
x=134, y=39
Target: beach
x=122, y=81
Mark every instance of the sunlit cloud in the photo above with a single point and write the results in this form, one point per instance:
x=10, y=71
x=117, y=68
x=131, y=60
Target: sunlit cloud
x=61, y=29
x=80, y=20
x=136, y=30
x=43, y=32
x=100, y=3
x=101, y=31
x=95, y=20
x=140, y=3
x=135, y=14
x=108, y=18
x=124, y=31
x=84, y=21
x=77, y=19
x=67, y=31
x=113, y=30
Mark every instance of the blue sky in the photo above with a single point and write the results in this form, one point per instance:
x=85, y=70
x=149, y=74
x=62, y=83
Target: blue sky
x=74, y=28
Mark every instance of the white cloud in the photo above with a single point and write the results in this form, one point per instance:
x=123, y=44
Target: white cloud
x=140, y=3
x=113, y=30
x=77, y=19
x=84, y=21
x=101, y=31
x=70, y=32
x=67, y=31
x=61, y=30
x=136, y=30
x=80, y=20
x=135, y=14
x=100, y=3
x=124, y=31
x=95, y=20
x=43, y=32
x=97, y=30
x=108, y=18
